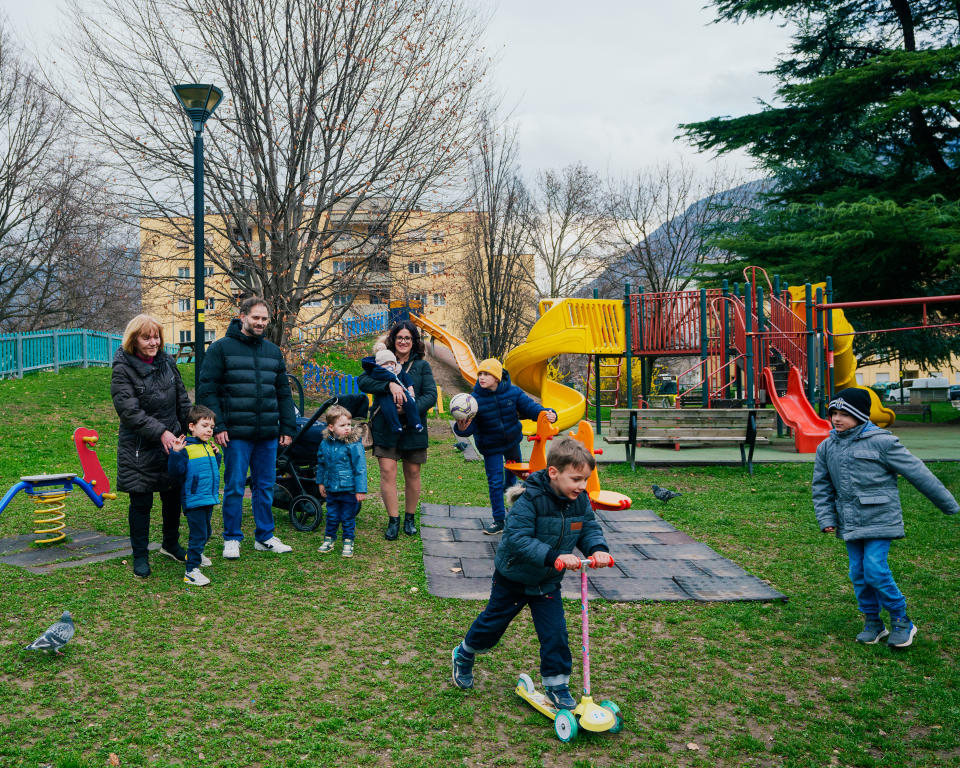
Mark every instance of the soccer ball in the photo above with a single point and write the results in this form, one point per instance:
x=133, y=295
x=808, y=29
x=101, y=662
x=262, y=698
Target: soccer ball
x=463, y=406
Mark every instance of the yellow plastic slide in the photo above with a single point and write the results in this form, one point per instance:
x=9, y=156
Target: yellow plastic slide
x=466, y=362
x=566, y=326
x=844, y=361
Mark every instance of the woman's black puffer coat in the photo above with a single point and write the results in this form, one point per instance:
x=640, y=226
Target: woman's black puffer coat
x=150, y=399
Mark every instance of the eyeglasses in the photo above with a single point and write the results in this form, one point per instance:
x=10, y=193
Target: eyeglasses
x=404, y=338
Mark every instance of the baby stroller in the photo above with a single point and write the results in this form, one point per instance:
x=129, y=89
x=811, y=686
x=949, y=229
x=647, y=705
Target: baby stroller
x=296, y=488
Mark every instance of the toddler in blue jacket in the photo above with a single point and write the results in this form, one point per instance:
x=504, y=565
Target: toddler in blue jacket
x=855, y=496
x=497, y=431
x=342, y=477
x=195, y=462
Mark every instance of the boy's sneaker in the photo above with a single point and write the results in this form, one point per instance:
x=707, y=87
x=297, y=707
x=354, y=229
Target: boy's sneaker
x=273, y=544
x=231, y=549
x=141, y=567
x=175, y=553
x=494, y=528
x=196, y=578
x=559, y=696
x=462, y=670
x=205, y=562
x=347, y=548
x=327, y=545
x=902, y=632
x=873, y=631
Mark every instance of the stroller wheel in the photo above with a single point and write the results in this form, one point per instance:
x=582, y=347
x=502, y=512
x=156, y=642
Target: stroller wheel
x=305, y=513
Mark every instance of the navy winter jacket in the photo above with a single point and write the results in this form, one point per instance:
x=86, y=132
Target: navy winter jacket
x=855, y=483
x=197, y=468
x=496, y=428
x=542, y=526
x=244, y=382
x=341, y=464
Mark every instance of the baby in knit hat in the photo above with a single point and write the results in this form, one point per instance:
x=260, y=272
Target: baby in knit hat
x=384, y=367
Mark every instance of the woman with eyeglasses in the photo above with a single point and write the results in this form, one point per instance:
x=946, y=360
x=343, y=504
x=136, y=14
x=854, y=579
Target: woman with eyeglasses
x=409, y=446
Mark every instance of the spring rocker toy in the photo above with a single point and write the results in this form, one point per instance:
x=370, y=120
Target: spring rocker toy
x=49, y=491
x=599, y=499
x=538, y=456
x=588, y=715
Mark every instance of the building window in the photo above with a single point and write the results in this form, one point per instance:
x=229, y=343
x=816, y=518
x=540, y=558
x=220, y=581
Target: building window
x=183, y=305
x=416, y=237
x=439, y=300
x=208, y=271
x=209, y=335
x=341, y=266
x=378, y=298
x=186, y=336
x=211, y=304
x=417, y=267
x=437, y=238
x=883, y=378
x=341, y=300
x=418, y=297
x=183, y=272
x=312, y=304
x=438, y=267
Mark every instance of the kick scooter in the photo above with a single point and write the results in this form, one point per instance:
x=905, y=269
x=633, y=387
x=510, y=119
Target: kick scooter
x=590, y=716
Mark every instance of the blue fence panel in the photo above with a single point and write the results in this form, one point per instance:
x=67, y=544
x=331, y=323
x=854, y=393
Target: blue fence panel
x=22, y=353
x=334, y=383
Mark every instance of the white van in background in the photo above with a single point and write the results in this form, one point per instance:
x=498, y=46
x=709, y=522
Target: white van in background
x=921, y=390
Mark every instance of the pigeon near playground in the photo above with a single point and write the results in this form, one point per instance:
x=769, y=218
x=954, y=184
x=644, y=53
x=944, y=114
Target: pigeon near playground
x=56, y=636
x=664, y=494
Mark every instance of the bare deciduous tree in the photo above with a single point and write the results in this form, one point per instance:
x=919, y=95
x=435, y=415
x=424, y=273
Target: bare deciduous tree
x=663, y=217
x=60, y=249
x=338, y=118
x=566, y=229
x=501, y=294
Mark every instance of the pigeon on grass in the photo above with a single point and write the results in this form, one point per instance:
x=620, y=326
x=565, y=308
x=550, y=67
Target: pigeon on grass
x=664, y=494
x=56, y=636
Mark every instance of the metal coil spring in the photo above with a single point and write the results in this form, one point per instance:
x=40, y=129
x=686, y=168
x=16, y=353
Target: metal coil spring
x=49, y=512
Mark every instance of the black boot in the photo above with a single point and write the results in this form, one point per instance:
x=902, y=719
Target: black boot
x=393, y=529
x=141, y=566
x=408, y=527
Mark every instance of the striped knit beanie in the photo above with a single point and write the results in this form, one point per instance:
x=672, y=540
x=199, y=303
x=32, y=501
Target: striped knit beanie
x=852, y=400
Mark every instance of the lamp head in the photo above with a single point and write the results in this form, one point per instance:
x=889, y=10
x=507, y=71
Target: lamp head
x=198, y=100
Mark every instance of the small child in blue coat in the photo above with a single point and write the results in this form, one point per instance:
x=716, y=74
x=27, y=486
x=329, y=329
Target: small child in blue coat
x=195, y=462
x=497, y=431
x=342, y=477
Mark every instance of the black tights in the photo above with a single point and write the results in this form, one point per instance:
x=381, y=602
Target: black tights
x=139, y=517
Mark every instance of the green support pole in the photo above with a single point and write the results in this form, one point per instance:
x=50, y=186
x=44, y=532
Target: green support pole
x=831, y=384
x=811, y=361
x=821, y=356
x=725, y=359
x=748, y=317
x=596, y=365
x=762, y=350
x=628, y=342
x=704, y=372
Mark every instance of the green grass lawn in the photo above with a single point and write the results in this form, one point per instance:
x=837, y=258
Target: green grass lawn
x=296, y=660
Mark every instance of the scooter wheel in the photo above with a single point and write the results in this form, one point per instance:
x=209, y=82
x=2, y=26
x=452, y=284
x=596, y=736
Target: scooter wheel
x=565, y=726
x=607, y=704
x=525, y=682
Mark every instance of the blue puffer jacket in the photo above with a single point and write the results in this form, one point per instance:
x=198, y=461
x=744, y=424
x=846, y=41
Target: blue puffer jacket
x=341, y=465
x=855, y=483
x=496, y=427
x=540, y=527
x=197, y=468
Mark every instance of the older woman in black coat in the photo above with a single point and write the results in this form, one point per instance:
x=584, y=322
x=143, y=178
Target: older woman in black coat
x=152, y=404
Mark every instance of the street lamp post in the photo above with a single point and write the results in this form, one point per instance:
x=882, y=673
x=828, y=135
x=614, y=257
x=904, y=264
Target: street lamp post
x=198, y=101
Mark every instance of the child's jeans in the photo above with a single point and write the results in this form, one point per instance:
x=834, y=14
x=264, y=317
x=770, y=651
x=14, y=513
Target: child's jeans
x=410, y=413
x=873, y=582
x=498, y=479
x=342, y=508
x=198, y=519
x=548, y=620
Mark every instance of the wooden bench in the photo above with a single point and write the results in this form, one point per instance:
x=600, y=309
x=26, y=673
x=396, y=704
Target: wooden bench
x=692, y=426
x=921, y=409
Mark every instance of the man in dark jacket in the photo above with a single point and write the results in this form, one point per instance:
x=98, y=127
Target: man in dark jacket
x=244, y=382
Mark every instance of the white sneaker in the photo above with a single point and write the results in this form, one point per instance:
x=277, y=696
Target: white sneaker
x=347, y=548
x=273, y=544
x=327, y=545
x=231, y=550
x=195, y=578
x=206, y=562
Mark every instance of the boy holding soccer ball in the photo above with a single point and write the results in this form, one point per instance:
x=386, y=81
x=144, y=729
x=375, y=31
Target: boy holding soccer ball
x=497, y=431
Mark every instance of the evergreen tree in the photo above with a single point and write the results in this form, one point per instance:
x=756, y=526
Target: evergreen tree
x=863, y=144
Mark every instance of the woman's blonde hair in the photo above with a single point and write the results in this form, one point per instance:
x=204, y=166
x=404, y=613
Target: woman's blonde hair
x=142, y=323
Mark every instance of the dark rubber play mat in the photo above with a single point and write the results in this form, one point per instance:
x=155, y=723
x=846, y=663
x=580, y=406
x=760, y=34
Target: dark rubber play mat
x=654, y=560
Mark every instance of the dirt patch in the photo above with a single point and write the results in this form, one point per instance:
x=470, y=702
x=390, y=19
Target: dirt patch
x=445, y=371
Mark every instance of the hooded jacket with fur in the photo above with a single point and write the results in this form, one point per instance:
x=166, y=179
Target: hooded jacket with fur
x=341, y=464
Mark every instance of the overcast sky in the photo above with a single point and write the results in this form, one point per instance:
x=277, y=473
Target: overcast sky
x=603, y=82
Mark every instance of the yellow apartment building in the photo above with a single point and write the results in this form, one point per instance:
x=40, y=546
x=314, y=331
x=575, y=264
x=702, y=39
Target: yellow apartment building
x=424, y=260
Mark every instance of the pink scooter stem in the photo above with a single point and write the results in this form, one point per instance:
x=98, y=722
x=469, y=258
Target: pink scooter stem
x=584, y=615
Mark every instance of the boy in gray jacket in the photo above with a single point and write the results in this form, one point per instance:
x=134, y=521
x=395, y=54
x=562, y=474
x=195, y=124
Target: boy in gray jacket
x=855, y=496
x=552, y=516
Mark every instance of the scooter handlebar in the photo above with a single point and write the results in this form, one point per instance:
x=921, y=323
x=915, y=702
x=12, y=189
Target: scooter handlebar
x=590, y=562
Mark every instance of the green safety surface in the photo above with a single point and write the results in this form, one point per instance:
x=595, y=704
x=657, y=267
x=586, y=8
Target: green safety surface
x=653, y=560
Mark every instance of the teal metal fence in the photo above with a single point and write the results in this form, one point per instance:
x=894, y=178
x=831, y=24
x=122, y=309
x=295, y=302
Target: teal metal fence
x=22, y=353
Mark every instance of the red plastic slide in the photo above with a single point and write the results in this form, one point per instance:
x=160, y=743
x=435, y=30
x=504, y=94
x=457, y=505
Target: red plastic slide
x=809, y=430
